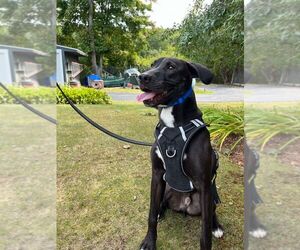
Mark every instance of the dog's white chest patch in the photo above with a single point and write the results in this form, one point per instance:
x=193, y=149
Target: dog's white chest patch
x=167, y=117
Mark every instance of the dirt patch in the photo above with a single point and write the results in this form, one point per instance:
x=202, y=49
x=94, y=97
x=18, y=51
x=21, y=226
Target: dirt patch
x=237, y=154
x=290, y=154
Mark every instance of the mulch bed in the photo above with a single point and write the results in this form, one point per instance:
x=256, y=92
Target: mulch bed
x=290, y=155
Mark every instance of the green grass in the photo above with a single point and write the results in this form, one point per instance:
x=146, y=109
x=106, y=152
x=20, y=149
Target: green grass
x=28, y=172
x=203, y=92
x=278, y=186
x=103, y=189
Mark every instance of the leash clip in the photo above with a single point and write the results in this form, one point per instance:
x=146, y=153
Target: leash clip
x=171, y=151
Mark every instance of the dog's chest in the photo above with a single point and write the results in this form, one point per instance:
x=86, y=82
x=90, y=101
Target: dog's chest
x=172, y=143
x=167, y=117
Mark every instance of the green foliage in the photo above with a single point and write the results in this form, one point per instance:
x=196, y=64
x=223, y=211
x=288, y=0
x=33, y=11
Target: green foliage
x=44, y=95
x=160, y=42
x=225, y=123
x=41, y=95
x=213, y=35
x=272, y=39
x=117, y=27
x=30, y=24
x=83, y=96
x=263, y=125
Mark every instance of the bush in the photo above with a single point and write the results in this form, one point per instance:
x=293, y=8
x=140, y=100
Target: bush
x=39, y=95
x=83, y=96
x=225, y=124
x=46, y=95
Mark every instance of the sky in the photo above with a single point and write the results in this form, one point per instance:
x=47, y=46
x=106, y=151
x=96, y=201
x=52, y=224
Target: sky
x=167, y=12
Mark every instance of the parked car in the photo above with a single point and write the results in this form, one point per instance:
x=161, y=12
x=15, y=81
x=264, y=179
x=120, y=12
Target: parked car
x=131, y=78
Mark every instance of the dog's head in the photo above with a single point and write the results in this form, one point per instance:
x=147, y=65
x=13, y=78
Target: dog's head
x=168, y=79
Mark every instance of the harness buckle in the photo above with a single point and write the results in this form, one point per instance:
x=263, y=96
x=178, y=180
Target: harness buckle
x=171, y=151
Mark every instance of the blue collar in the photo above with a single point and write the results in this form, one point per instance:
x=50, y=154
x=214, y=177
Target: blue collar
x=182, y=99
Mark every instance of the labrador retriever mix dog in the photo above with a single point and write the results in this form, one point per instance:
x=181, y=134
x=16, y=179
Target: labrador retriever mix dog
x=183, y=161
x=252, y=226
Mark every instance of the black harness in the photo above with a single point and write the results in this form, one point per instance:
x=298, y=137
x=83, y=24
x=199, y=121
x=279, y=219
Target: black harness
x=172, y=143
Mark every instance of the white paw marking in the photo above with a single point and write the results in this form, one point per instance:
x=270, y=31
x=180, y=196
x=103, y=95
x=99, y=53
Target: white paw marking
x=258, y=233
x=218, y=233
x=184, y=157
x=187, y=201
x=167, y=117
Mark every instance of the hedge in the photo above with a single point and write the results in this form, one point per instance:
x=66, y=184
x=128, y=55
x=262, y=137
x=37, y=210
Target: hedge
x=44, y=95
x=83, y=96
x=39, y=95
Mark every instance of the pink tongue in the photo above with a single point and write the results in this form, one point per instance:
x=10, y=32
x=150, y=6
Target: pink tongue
x=145, y=96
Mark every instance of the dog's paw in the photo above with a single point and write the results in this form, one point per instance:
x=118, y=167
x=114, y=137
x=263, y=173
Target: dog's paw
x=258, y=233
x=218, y=233
x=148, y=244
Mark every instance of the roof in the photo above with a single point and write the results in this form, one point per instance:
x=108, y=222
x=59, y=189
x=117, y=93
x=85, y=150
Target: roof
x=132, y=71
x=23, y=50
x=72, y=50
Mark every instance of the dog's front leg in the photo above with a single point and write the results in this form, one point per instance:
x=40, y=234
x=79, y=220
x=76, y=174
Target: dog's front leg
x=207, y=213
x=157, y=191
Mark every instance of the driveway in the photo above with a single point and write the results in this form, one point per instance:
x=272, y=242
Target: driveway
x=223, y=93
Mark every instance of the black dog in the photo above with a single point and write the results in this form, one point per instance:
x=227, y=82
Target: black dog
x=253, y=226
x=167, y=86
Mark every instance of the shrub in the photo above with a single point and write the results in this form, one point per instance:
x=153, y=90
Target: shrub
x=83, y=96
x=39, y=95
x=225, y=124
x=263, y=125
x=46, y=95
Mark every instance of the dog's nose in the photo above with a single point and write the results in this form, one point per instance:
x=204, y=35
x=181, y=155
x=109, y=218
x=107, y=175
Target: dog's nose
x=145, y=78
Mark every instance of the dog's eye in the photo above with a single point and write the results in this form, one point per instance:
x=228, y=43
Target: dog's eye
x=171, y=67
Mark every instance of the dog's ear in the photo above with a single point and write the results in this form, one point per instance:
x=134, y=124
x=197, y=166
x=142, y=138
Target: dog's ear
x=201, y=72
x=158, y=61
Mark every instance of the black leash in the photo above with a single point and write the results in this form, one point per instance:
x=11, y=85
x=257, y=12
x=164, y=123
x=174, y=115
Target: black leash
x=33, y=110
x=102, y=129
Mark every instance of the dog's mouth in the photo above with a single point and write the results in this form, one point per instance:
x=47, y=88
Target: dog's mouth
x=152, y=98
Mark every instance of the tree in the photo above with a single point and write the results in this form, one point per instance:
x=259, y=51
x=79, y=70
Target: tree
x=114, y=33
x=160, y=42
x=213, y=35
x=272, y=40
x=30, y=24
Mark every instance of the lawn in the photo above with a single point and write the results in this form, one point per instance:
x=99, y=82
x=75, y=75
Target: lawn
x=278, y=185
x=28, y=172
x=103, y=188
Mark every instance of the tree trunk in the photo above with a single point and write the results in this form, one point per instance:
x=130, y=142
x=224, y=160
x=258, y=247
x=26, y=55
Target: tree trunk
x=266, y=75
x=101, y=64
x=283, y=76
x=92, y=38
x=232, y=77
